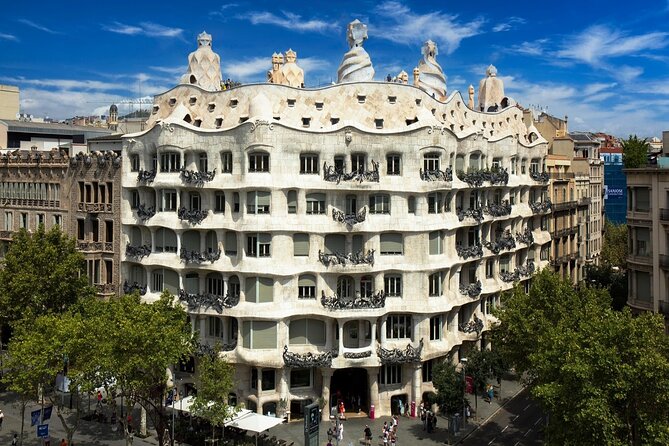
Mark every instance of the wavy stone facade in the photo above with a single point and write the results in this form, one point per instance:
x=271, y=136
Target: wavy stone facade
x=329, y=221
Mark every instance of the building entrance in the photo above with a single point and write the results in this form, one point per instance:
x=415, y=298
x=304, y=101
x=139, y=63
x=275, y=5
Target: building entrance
x=350, y=386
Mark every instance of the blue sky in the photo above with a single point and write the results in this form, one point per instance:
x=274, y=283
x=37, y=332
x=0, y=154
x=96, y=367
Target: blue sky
x=605, y=64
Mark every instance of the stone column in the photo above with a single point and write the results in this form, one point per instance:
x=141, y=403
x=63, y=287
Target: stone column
x=153, y=240
x=179, y=235
x=326, y=374
x=203, y=326
x=259, y=390
x=373, y=344
x=383, y=330
x=341, y=337
x=329, y=335
x=373, y=380
x=416, y=385
x=283, y=387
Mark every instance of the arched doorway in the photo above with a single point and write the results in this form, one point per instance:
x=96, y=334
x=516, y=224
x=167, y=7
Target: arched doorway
x=350, y=386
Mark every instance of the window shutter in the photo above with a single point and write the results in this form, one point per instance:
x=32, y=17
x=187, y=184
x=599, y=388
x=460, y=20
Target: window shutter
x=335, y=243
x=230, y=243
x=246, y=334
x=171, y=281
x=292, y=202
x=263, y=198
x=298, y=332
x=264, y=334
x=301, y=244
x=306, y=280
x=265, y=289
x=435, y=240
x=251, y=289
x=315, y=332
x=391, y=243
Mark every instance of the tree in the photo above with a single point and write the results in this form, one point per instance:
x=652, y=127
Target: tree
x=635, y=152
x=450, y=386
x=482, y=366
x=614, y=281
x=615, y=246
x=602, y=375
x=214, y=377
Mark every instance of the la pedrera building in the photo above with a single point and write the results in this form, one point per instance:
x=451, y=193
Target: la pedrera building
x=337, y=242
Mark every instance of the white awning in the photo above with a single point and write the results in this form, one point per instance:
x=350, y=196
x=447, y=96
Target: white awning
x=253, y=422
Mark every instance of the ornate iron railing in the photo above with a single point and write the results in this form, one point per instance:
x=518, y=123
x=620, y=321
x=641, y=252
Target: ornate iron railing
x=541, y=207
x=498, y=210
x=135, y=286
x=306, y=360
x=90, y=246
x=522, y=271
x=472, y=290
x=436, y=175
x=208, y=300
x=137, y=252
x=525, y=237
x=203, y=349
x=376, y=300
x=192, y=216
x=476, y=214
x=472, y=326
x=540, y=177
x=358, y=258
x=337, y=176
x=396, y=356
x=94, y=207
x=144, y=213
x=504, y=241
x=358, y=355
x=105, y=288
x=196, y=177
x=476, y=178
x=349, y=219
x=472, y=251
x=146, y=176
x=189, y=256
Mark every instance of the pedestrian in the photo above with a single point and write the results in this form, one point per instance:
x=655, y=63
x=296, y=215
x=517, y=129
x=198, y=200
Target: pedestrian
x=330, y=433
x=393, y=439
x=340, y=432
x=2, y=417
x=368, y=435
x=15, y=440
x=63, y=442
x=342, y=410
x=491, y=393
x=423, y=417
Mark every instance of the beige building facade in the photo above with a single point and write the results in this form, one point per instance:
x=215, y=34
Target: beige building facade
x=9, y=102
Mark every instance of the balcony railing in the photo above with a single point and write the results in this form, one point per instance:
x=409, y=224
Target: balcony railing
x=95, y=246
x=193, y=256
x=30, y=202
x=475, y=213
x=358, y=258
x=129, y=288
x=564, y=205
x=146, y=176
x=306, y=360
x=585, y=201
x=349, y=219
x=525, y=237
x=498, y=210
x=541, y=207
x=664, y=215
x=144, y=213
x=539, y=177
x=472, y=251
x=477, y=177
x=474, y=326
x=137, y=252
x=192, y=216
x=204, y=349
x=562, y=176
x=330, y=173
x=504, y=241
x=94, y=207
x=376, y=300
x=436, y=175
x=196, y=177
x=105, y=288
x=472, y=290
x=520, y=272
x=195, y=301
x=410, y=354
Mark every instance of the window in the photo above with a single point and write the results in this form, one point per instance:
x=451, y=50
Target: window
x=309, y=163
x=230, y=245
x=434, y=284
x=379, y=204
x=434, y=203
x=259, y=162
x=258, y=245
x=398, y=326
x=436, y=243
x=134, y=199
x=215, y=284
x=523, y=166
x=166, y=240
x=259, y=334
x=393, y=163
x=235, y=202
x=390, y=374
x=358, y=162
x=643, y=289
x=504, y=264
x=23, y=221
x=257, y=202
x=9, y=221
x=392, y=285
x=411, y=204
x=259, y=289
x=643, y=242
x=168, y=201
x=366, y=286
x=268, y=379
x=315, y=203
x=306, y=332
x=194, y=200
x=57, y=220
x=219, y=202
x=435, y=328
x=345, y=286
x=215, y=327
x=300, y=245
x=392, y=244
x=170, y=162
x=164, y=279
x=203, y=162
x=489, y=267
x=226, y=162
x=496, y=163
x=292, y=201
x=300, y=378
x=306, y=287
x=81, y=234
x=642, y=199
x=534, y=165
x=427, y=370
x=134, y=163
x=431, y=162
x=378, y=123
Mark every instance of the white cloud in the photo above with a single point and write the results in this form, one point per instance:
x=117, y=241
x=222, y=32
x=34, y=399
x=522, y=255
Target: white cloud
x=313, y=64
x=221, y=10
x=4, y=36
x=38, y=26
x=176, y=71
x=535, y=48
x=402, y=25
x=145, y=28
x=66, y=84
x=245, y=70
x=289, y=21
x=597, y=87
x=509, y=24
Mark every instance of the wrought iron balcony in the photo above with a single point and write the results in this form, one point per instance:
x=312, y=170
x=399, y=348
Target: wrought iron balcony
x=135, y=286
x=585, y=201
x=522, y=271
x=410, y=354
x=196, y=177
x=473, y=326
x=195, y=301
x=144, y=213
x=306, y=360
x=504, y=241
x=192, y=216
x=525, y=237
x=105, y=288
x=189, y=256
x=357, y=355
x=564, y=205
x=335, y=258
x=476, y=178
x=349, y=219
x=540, y=177
x=137, y=252
x=498, y=210
x=472, y=290
x=541, y=207
x=94, y=207
x=376, y=300
x=472, y=251
x=146, y=176
x=204, y=349
x=436, y=175
x=330, y=173
x=90, y=246
x=476, y=214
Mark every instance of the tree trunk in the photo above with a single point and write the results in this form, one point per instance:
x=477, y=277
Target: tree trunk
x=23, y=420
x=142, y=421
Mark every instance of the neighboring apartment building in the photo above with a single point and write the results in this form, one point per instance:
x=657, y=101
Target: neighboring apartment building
x=615, y=185
x=337, y=242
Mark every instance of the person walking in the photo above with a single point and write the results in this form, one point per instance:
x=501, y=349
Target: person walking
x=15, y=440
x=340, y=432
x=368, y=435
x=2, y=418
x=330, y=434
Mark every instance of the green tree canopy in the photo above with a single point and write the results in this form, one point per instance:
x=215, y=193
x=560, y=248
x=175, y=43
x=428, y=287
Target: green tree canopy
x=635, y=152
x=450, y=386
x=615, y=247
